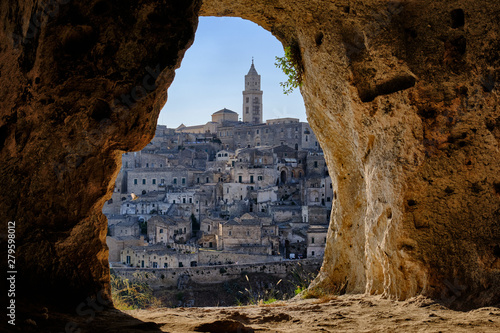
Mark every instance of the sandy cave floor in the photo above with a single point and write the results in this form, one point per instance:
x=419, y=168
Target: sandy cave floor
x=348, y=313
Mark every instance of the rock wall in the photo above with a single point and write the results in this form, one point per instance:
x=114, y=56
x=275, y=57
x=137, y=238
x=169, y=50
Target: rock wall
x=403, y=97
x=81, y=82
x=169, y=277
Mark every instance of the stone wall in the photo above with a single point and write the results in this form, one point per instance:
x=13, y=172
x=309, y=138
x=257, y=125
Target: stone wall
x=207, y=257
x=169, y=277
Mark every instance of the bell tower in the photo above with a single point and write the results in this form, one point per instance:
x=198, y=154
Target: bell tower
x=252, y=97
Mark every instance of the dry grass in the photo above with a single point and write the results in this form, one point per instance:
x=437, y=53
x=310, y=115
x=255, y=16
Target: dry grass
x=325, y=292
x=272, y=305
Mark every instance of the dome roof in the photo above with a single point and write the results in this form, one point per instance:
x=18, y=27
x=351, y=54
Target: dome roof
x=225, y=111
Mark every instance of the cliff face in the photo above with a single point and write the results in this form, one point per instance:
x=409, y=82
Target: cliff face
x=403, y=97
x=82, y=81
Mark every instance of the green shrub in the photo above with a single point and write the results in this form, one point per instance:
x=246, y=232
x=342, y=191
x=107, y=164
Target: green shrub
x=291, y=65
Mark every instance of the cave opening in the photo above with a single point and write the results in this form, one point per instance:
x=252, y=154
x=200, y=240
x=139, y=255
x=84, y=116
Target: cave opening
x=61, y=144
x=212, y=72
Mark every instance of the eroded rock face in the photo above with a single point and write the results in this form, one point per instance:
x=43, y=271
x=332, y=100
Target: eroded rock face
x=81, y=81
x=403, y=97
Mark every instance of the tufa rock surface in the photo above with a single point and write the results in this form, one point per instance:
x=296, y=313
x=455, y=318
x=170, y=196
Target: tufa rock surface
x=403, y=96
x=81, y=82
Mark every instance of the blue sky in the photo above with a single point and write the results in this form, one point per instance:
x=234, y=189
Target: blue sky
x=212, y=74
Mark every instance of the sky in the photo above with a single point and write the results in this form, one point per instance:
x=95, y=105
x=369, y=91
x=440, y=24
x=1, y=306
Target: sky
x=212, y=74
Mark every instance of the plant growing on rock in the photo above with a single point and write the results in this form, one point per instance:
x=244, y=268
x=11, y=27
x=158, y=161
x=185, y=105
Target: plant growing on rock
x=291, y=65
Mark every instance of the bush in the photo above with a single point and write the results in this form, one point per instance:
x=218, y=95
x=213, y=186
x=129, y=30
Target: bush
x=291, y=65
x=131, y=295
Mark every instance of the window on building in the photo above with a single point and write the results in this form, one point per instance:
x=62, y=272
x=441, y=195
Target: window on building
x=183, y=200
x=312, y=240
x=247, y=110
x=328, y=199
x=128, y=260
x=240, y=179
x=315, y=164
x=206, y=180
x=173, y=201
x=208, y=227
x=198, y=180
x=154, y=181
x=190, y=200
x=135, y=181
x=143, y=181
x=251, y=179
x=147, y=165
x=307, y=138
x=247, y=99
x=175, y=181
x=210, y=244
x=161, y=231
x=180, y=264
x=312, y=253
x=183, y=181
x=165, y=265
x=259, y=177
x=230, y=233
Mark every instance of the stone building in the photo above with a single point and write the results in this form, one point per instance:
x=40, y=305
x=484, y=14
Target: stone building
x=128, y=227
x=251, y=233
x=159, y=256
x=273, y=133
x=119, y=243
x=168, y=230
x=316, y=241
x=224, y=116
x=252, y=97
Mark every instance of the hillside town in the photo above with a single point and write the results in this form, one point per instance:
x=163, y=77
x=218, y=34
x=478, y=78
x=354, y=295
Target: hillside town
x=231, y=191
